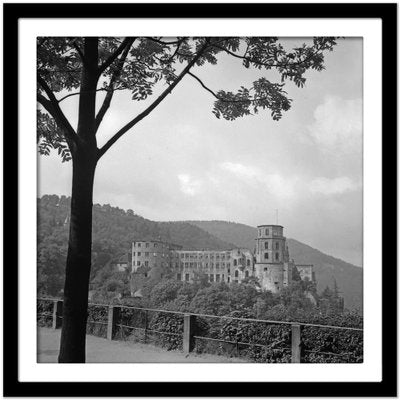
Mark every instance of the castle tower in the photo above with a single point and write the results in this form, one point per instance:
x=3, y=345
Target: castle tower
x=272, y=268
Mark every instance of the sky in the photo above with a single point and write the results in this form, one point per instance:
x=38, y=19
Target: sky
x=182, y=163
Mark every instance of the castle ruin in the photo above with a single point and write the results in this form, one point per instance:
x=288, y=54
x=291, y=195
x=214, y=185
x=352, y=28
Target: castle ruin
x=269, y=263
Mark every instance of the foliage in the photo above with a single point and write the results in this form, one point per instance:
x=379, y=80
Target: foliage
x=44, y=313
x=142, y=65
x=97, y=320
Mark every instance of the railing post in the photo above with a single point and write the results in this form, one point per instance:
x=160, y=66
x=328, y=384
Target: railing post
x=57, y=314
x=189, y=328
x=146, y=323
x=113, y=317
x=296, y=343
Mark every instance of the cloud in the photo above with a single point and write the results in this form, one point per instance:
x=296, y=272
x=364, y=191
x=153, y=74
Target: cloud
x=275, y=183
x=337, y=125
x=188, y=185
x=333, y=186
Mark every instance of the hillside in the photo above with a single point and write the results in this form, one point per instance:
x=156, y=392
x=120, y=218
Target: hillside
x=327, y=268
x=114, y=230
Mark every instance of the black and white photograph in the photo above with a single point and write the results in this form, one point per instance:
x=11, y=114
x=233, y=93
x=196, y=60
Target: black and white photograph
x=225, y=175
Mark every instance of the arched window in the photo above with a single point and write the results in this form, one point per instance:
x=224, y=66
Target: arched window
x=236, y=273
x=234, y=263
x=248, y=263
x=247, y=274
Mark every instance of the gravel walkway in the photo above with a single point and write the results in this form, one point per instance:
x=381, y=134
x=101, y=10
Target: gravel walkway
x=99, y=350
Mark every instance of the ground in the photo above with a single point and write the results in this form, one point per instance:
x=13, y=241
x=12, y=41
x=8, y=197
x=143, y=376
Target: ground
x=99, y=350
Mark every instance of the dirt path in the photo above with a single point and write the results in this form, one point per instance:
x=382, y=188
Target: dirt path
x=99, y=350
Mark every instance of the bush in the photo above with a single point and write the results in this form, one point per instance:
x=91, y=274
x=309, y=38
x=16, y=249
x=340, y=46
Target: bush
x=44, y=313
x=97, y=320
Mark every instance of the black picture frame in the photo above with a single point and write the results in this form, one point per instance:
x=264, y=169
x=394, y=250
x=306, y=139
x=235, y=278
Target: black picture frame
x=11, y=15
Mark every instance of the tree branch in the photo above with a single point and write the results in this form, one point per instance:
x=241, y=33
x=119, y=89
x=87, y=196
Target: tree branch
x=152, y=106
x=51, y=105
x=112, y=58
x=107, y=100
x=277, y=64
x=78, y=93
x=179, y=41
x=221, y=98
x=204, y=86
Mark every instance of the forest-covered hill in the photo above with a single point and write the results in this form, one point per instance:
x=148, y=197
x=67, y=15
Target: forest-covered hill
x=114, y=230
x=327, y=268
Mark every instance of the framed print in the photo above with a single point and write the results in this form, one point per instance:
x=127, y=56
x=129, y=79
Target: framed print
x=205, y=199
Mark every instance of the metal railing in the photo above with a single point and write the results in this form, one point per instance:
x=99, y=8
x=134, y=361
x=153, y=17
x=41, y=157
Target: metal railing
x=187, y=334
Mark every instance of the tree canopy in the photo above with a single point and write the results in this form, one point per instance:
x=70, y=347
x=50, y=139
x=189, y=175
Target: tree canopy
x=142, y=65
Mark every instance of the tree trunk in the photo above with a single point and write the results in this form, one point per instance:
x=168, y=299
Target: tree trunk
x=84, y=159
x=76, y=287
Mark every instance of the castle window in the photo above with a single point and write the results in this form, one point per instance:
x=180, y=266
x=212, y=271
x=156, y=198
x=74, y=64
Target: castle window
x=146, y=263
x=277, y=245
x=247, y=274
x=248, y=263
x=139, y=253
x=229, y=279
x=217, y=278
x=187, y=277
x=147, y=244
x=276, y=256
x=139, y=245
x=236, y=273
x=266, y=256
x=211, y=278
x=267, y=232
x=266, y=245
x=234, y=263
x=138, y=263
x=223, y=277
